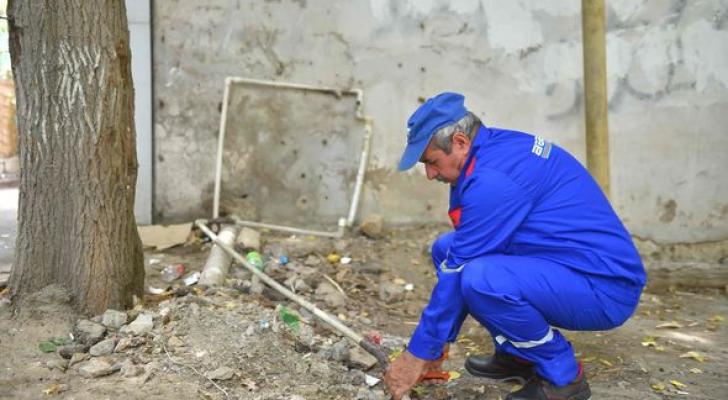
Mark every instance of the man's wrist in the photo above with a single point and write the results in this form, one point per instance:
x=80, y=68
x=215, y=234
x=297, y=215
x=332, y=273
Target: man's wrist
x=413, y=358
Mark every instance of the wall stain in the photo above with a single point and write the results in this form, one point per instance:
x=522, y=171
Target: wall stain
x=668, y=213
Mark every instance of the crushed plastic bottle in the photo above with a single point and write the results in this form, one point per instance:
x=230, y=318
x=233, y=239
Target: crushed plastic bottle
x=172, y=272
x=192, y=278
x=289, y=318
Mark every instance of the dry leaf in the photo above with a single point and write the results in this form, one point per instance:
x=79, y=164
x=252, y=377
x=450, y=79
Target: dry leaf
x=696, y=370
x=694, y=355
x=678, y=384
x=716, y=318
x=606, y=362
x=52, y=390
x=658, y=387
x=650, y=341
x=670, y=325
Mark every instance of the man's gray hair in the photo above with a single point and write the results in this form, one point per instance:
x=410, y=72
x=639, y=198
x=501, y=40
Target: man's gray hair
x=443, y=137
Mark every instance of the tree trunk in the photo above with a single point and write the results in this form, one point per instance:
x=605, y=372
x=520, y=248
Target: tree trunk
x=76, y=228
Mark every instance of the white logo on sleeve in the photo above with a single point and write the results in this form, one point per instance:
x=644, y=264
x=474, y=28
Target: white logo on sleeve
x=541, y=147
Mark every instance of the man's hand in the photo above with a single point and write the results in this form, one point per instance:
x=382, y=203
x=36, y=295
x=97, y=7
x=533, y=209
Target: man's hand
x=436, y=365
x=403, y=373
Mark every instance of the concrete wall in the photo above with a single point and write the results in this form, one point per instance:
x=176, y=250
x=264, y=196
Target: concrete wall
x=519, y=64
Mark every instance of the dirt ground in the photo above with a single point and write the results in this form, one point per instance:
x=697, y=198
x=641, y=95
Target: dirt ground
x=229, y=342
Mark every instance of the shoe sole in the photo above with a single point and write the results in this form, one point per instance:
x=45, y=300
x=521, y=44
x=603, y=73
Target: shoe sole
x=495, y=377
x=578, y=396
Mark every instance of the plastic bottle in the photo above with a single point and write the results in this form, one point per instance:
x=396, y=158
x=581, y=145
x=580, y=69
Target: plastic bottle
x=256, y=259
x=172, y=272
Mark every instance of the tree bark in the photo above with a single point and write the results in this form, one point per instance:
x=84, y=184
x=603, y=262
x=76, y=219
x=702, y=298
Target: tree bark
x=72, y=70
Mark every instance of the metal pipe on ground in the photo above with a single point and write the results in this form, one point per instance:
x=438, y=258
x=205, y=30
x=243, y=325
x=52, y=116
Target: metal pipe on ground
x=332, y=321
x=218, y=263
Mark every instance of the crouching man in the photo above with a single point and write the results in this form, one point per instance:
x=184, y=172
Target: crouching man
x=536, y=247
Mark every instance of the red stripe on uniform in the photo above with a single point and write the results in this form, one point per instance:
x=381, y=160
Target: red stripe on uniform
x=470, y=167
x=455, y=216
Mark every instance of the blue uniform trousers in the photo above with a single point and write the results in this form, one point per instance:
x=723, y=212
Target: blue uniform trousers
x=520, y=300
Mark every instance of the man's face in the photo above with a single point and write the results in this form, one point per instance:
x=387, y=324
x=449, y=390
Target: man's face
x=443, y=167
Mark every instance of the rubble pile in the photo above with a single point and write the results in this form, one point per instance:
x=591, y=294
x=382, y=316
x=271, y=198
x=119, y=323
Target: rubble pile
x=243, y=337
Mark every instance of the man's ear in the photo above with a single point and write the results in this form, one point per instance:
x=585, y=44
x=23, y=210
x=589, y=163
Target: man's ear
x=460, y=140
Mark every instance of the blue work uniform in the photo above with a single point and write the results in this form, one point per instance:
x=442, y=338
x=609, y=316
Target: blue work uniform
x=536, y=245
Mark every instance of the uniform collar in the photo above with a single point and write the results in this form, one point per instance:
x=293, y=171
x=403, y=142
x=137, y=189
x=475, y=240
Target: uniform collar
x=480, y=138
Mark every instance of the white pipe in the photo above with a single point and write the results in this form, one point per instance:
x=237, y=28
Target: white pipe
x=353, y=207
x=339, y=233
x=363, y=161
x=220, y=142
x=287, y=85
x=218, y=262
x=329, y=319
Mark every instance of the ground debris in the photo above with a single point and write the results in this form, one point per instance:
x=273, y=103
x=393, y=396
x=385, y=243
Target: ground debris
x=267, y=347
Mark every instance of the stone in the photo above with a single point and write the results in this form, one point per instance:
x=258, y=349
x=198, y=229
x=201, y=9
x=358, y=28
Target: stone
x=68, y=350
x=129, y=342
x=390, y=292
x=368, y=267
x=320, y=370
x=338, y=352
x=102, y=348
x=312, y=260
x=143, y=323
x=373, y=226
x=113, y=319
x=220, y=374
x=130, y=370
x=356, y=377
x=305, y=339
x=242, y=285
x=330, y=295
x=58, y=363
x=360, y=359
x=98, y=366
x=174, y=341
x=248, y=240
x=88, y=332
x=367, y=394
x=256, y=286
x=77, y=358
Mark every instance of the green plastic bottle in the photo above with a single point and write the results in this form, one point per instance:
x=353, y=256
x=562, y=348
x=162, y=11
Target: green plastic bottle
x=256, y=259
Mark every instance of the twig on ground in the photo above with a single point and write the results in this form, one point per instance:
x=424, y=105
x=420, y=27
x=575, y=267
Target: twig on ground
x=333, y=282
x=220, y=388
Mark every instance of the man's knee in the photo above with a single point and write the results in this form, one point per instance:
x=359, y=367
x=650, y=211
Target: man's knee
x=440, y=247
x=488, y=277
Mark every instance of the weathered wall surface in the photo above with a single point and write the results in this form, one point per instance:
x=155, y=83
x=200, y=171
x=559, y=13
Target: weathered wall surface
x=519, y=64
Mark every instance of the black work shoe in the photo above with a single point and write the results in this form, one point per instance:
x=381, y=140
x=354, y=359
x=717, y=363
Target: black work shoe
x=540, y=389
x=501, y=366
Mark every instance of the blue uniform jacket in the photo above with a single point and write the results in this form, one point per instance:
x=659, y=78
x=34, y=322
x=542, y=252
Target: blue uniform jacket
x=521, y=195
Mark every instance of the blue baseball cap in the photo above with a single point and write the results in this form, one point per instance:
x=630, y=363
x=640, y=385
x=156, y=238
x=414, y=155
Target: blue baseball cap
x=440, y=111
